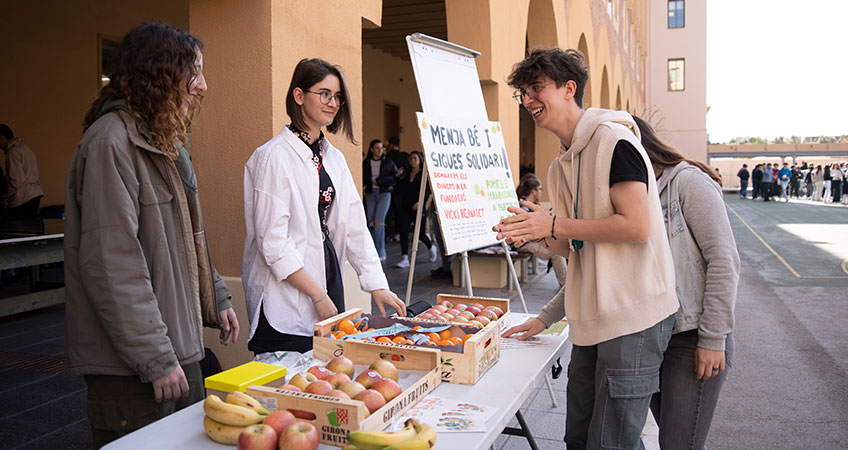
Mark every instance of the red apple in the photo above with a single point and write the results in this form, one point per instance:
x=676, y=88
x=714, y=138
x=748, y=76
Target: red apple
x=467, y=314
x=483, y=319
x=478, y=306
x=338, y=394
x=340, y=364
x=447, y=317
x=368, y=378
x=440, y=308
x=300, y=380
x=290, y=387
x=306, y=415
x=474, y=310
x=385, y=368
x=426, y=316
x=460, y=307
x=351, y=388
x=388, y=388
x=453, y=311
x=279, y=420
x=489, y=314
x=497, y=310
x=439, y=318
x=373, y=400
x=337, y=378
x=320, y=373
x=476, y=324
x=460, y=319
x=299, y=436
x=445, y=303
x=320, y=387
x=257, y=437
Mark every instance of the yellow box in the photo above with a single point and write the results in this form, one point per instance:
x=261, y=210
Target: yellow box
x=239, y=378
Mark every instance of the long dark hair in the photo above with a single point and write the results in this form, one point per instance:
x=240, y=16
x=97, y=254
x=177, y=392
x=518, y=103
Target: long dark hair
x=308, y=73
x=153, y=70
x=529, y=182
x=664, y=155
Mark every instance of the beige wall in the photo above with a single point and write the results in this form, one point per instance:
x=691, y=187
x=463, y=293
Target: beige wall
x=680, y=116
x=49, y=72
x=388, y=79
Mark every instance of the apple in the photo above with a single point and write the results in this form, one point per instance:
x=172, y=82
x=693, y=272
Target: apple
x=483, y=319
x=257, y=437
x=351, y=388
x=474, y=310
x=447, y=317
x=279, y=420
x=440, y=308
x=476, y=324
x=337, y=378
x=496, y=310
x=306, y=415
x=373, y=400
x=426, y=316
x=478, y=305
x=489, y=314
x=445, y=303
x=440, y=318
x=385, y=368
x=320, y=373
x=453, y=311
x=460, y=319
x=290, y=387
x=368, y=378
x=299, y=436
x=388, y=388
x=340, y=364
x=320, y=387
x=467, y=314
x=460, y=306
x=300, y=381
x=338, y=394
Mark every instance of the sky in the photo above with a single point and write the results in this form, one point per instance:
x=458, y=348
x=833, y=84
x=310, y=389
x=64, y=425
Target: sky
x=777, y=68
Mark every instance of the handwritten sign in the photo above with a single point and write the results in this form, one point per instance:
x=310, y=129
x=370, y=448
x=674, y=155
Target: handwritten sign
x=470, y=176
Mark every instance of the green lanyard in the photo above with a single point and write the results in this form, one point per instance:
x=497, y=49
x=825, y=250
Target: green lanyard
x=577, y=244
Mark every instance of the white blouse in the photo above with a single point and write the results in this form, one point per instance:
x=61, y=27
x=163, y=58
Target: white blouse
x=284, y=231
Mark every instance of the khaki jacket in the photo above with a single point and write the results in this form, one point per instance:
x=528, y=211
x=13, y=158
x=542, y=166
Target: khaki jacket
x=139, y=280
x=22, y=173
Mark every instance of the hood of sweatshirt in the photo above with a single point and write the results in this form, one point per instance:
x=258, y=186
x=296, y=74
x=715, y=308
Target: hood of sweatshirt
x=590, y=121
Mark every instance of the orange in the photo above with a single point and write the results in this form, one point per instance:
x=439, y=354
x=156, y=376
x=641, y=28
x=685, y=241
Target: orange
x=467, y=337
x=347, y=326
x=433, y=336
x=445, y=334
x=398, y=339
x=456, y=340
x=384, y=340
x=430, y=343
x=408, y=342
x=340, y=334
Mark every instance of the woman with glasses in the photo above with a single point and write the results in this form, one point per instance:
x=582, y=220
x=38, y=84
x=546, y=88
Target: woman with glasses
x=304, y=218
x=379, y=176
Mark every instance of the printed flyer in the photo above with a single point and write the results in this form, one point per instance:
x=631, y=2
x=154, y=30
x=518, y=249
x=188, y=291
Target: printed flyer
x=448, y=416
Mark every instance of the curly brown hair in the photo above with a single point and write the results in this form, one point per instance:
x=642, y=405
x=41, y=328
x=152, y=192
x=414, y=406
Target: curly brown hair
x=153, y=70
x=557, y=64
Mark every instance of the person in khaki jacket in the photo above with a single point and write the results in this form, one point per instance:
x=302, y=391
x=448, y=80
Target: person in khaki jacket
x=139, y=281
x=23, y=190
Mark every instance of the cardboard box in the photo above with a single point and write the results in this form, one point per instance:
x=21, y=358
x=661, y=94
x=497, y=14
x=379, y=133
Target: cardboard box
x=336, y=418
x=240, y=377
x=464, y=364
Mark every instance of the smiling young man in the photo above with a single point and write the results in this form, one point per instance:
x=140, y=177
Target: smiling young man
x=619, y=293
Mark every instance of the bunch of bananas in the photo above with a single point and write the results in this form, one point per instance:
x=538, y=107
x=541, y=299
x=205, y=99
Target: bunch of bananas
x=224, y=421
x=414, y=436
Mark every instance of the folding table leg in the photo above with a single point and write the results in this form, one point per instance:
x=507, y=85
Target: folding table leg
x=523, y=431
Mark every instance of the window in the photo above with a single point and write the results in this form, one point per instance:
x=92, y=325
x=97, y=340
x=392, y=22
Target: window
x=676, y=16
x=676, y=74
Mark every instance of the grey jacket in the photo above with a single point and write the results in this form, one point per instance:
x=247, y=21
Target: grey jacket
x=706, y=262
x=139, y=281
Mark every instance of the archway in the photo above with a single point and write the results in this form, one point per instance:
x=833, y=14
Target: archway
x=605, y=94
x=618, y=98
x=584, y=49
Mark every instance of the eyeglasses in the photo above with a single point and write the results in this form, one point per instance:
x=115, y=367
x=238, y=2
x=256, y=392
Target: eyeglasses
x=326, y=96
x=532, y=90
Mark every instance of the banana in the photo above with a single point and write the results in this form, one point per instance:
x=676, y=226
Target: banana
x=221, y=432
x=425, y=438
x=242, y=399
x=229, y=414
x=350, y=447
x=377, y=440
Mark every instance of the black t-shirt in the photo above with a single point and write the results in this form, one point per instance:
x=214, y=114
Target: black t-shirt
x=627, y=164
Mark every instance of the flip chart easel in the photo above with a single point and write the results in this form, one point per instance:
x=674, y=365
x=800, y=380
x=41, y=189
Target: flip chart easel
x=449, y=87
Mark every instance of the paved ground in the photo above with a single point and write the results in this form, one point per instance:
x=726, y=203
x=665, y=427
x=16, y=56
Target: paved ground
x=788, y=387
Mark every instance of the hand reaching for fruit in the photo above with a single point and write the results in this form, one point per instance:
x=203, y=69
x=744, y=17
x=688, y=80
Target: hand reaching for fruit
x=529, y=329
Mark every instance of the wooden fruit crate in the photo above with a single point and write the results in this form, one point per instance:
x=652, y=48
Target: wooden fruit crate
x=336, y=418
x=460, y=364
x=501, y=303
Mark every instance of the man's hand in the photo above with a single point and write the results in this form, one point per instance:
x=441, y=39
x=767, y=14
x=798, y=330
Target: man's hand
x=708, y=363
x=171, y=387
x=530, y=328
x=325, y=308
x=385, y=297
x=524, y=226
x=230, y=330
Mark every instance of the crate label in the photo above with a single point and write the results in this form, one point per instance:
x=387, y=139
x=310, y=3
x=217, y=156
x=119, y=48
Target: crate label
x=334, y=435
x=488, y=358
x=409, y=400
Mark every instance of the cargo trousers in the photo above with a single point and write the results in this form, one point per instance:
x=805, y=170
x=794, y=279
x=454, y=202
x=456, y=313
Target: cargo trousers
x=119, y=405
x=610, y=385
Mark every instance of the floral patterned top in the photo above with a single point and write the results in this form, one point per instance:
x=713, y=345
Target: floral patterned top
x=326, y=191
